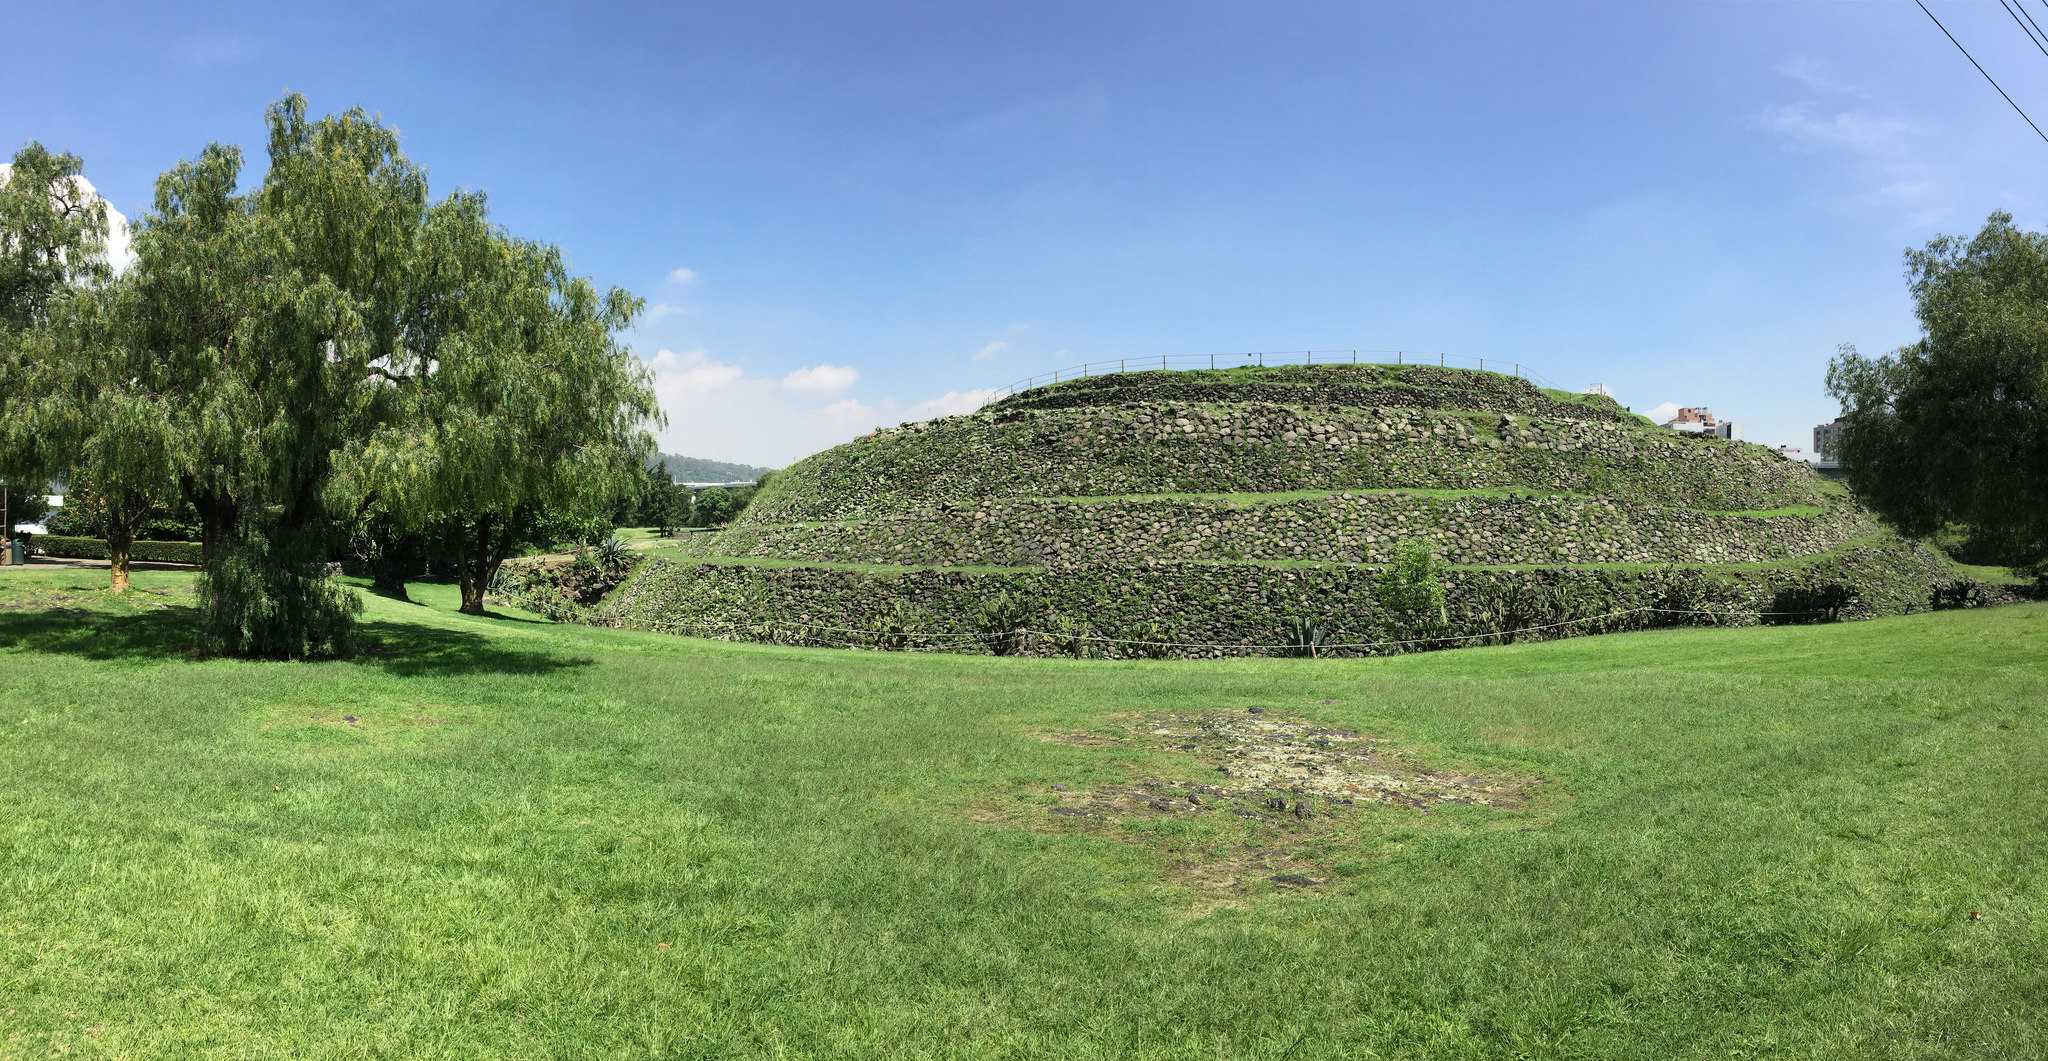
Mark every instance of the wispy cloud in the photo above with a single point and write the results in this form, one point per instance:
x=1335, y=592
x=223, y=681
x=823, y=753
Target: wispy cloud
x=1879, y=146
x=994, y=348
x=660, y=310
x=1809, y=72
x=821, y=379
x=682, y=276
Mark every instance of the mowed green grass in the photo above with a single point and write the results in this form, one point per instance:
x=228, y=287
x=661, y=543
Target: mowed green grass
x=539, y=840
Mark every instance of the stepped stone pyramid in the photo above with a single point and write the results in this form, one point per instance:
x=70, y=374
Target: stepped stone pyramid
x=1216, y=512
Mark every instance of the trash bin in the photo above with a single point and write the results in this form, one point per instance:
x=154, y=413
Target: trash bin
x=17, y=551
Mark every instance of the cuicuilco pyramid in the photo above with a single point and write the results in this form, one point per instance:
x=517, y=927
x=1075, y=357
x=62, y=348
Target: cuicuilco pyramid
x=1220, y=510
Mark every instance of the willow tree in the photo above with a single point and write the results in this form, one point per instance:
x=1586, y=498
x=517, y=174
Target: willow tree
x=105, y=405
x=53, y=235
x=266, y=310
x=509, y=404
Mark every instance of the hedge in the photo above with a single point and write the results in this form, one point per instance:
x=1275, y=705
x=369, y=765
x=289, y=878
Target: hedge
x=57, y=545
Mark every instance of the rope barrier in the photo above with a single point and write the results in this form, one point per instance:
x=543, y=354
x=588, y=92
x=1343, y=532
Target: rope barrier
x=943, y=640
x=1158, y=362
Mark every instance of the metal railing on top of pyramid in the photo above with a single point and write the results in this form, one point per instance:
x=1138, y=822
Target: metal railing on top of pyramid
x=1267, y=358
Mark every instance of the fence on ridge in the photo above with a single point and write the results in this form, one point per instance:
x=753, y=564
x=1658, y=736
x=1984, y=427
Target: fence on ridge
x=1262, y=359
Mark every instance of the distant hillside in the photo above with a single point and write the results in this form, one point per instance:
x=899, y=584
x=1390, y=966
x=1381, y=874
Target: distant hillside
x=698, y=470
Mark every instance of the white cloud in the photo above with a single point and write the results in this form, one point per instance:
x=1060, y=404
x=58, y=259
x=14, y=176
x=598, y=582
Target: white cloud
x=1879, y=148
x=989, y=350
x=682, y=276
x=717, y=409
x=821, y=379
x=1662, y=412
x=953, y=403
x=120, y=248
x=693, y=372
x=660, y=310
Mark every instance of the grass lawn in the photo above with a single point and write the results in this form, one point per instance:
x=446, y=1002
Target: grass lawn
x=501, y=837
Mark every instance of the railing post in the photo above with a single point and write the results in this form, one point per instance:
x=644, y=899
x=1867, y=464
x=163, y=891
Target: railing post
x=1439, y=359
x=1311, y=357
x=1354, y=357
x=1262, y=359
x=1397, y=356
x=1162, y=362
x=1212, y=360
x=1518, y=369
x=1482, y=364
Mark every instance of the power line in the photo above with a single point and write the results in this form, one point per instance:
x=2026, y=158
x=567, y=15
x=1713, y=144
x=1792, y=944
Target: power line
x=2038, y=31
x=1980, y=69
x=2032, y=33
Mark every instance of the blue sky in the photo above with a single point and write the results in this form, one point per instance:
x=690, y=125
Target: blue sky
x=854, y=214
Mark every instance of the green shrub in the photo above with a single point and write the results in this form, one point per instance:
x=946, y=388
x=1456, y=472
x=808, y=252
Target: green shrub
x=69, y=548
x=1306, y=636
x=1073, y=636
x=1150, y=641
x=1957, y=593
x=1412, y=587
x=896, y=627
x=1820, y=603
x=1000, y=621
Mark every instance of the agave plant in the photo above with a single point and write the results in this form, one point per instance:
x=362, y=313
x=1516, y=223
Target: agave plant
x=612, y=553
x=1306, y=636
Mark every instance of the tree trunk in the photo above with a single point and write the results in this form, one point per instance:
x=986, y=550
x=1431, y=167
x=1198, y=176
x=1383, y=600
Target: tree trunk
x=472, y=593
x=117, y=559
x=478, y=567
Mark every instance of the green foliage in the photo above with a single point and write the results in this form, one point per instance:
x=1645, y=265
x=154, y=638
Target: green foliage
x=716, y=506
x=896, y=627
x=1001, y=620
x=1953, y=429
x=511, y=394
x=62, y=546
x=268, y=594
x=1150, y=639
x=1306, y=635
x=1076, y=637
x=1957, y=593
x=612, y=553
x=1821, y=602
x=1412, y=586
x=52, y=250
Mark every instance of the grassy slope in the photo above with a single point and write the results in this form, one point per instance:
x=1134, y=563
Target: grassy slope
x=1749, y=842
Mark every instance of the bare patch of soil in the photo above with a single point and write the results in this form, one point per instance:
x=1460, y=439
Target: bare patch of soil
x=1282, y=788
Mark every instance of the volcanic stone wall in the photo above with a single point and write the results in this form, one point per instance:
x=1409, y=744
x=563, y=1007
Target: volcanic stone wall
x=1225, y=508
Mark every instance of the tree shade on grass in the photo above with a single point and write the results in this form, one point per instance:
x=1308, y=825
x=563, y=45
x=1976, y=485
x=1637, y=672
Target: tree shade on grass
x=499, y=837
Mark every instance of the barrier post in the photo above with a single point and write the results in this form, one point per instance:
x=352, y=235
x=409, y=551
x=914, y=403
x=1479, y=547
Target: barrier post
x=1439, y=359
